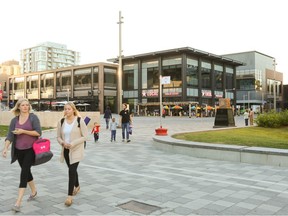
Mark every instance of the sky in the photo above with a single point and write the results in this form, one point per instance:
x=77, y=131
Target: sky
x=90, y=27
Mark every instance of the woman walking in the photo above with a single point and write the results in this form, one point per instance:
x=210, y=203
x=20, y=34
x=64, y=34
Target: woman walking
x=71, y=135
x=24, y=129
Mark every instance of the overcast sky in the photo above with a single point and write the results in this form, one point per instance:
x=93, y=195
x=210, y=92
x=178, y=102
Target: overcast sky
x=90, y=27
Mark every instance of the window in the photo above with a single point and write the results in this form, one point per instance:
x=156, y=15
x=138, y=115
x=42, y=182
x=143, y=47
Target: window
x=218, y=71
x=192, y=72
x=82, y=78
x=110, y=80
x=206, y=74
x=150, y=75
x=130, y=77
x=173, y=68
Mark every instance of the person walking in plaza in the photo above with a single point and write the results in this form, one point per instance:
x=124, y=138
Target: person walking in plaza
x=95, y=131
x=71, y=135
x=246, y=117
x=113, y=128
x=126, y=120
x=24, y=129
x=107, y=116
x=251, y=117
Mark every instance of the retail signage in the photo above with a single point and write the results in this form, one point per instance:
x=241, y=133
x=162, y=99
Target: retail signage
x=165, y=80
x=206, y=93
x=150, y=93
x=1, y=94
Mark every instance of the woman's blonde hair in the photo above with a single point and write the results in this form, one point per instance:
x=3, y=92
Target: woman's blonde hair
x=72, y=105
x=16, y=110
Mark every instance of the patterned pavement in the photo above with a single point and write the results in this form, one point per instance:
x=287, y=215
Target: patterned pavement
x=114, y=173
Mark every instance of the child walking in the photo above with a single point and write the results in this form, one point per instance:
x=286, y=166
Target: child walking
x=113, y=127
x=95, y=131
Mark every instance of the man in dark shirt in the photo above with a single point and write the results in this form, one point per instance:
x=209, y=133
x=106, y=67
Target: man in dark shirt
x=125, y=122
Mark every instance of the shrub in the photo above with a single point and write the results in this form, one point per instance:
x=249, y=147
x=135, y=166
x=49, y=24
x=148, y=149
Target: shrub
x=272, y=119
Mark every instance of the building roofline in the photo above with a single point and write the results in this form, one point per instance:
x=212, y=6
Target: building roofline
x=254, y=51
x=196, y=52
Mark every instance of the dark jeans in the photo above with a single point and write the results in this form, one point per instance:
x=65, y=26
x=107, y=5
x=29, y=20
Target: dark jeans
x=107, y=122
x=113, y=135
x=125, y=129
x=72, y=173
x=96, y=136
x=26, y=158
x=246, y=122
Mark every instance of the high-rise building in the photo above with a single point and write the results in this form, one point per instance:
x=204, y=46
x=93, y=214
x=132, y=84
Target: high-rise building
x=48, y=56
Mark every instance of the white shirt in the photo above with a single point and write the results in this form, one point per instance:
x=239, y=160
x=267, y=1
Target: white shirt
x=67, y=130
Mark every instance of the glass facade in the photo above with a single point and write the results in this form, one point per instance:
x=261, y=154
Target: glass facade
x=130, y=77
x=192, y=73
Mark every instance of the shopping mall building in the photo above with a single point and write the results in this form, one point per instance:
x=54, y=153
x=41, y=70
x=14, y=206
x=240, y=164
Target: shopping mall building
x=196, y=78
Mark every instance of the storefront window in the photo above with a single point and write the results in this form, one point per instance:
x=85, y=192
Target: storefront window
x=130, y=77
x=110, y=80
x=192, y=72
x=218, y=69
x=95, y=77
x=173, y=68
x=206, y=74
x=150, y=75
x=82, y=78
x=229, y=78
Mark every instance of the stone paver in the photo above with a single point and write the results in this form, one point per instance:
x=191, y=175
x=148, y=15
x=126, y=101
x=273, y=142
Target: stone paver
x=114, y=173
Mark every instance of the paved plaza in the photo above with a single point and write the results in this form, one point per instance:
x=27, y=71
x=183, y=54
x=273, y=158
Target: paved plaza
x=115, y=174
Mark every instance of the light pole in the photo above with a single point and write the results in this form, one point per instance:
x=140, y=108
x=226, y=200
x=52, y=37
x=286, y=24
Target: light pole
x=120, y=64
x=274, y=84
x=248, y=98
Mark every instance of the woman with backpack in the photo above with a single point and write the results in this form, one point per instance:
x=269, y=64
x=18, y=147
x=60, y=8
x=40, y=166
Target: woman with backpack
x=71, y=136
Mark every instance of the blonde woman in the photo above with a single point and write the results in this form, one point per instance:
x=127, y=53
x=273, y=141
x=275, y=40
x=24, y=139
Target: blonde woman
x=24, y=129
x=72, y=132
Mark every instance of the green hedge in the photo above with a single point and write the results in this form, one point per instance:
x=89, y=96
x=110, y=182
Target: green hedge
x=272, y=119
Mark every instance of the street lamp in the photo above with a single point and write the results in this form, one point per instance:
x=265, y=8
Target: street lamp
x=274, y=84
x=120, y=64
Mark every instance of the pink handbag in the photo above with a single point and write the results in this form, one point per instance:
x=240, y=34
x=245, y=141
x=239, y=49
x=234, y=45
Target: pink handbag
x=42, y=151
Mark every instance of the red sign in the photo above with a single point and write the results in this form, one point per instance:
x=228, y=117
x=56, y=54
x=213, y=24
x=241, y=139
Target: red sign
x=1, y=94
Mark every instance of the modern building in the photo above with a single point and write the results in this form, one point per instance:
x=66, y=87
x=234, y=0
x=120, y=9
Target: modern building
x=92, y=87
x=197, y=77
x=48, y=56
x=255, y=81
x=7, y=69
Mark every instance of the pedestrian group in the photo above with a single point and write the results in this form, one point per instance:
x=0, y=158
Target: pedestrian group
x=72, y=133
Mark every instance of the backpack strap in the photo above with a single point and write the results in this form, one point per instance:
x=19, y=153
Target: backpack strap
x=78, y=120
x=62, y=121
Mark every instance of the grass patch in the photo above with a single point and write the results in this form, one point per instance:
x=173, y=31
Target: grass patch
x=4, y=130
x=249, y=136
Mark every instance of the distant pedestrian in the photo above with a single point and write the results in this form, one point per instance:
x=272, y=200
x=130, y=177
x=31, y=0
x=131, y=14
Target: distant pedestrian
x=95, y=131
x=251, y=117
x=246, y=117
x=107, y=116
x=113, y=128
x=126, y=120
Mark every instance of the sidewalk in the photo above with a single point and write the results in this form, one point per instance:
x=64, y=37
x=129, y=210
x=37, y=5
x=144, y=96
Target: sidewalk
x=114, y=174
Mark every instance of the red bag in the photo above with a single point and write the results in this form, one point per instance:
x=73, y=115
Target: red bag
x=42, y=151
